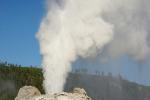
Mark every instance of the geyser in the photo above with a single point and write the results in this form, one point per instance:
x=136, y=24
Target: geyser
x=84, y=28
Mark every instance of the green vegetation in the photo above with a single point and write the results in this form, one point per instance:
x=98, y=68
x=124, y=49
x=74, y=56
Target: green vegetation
x=12, y=77
x=107, y=87
x=98, y=86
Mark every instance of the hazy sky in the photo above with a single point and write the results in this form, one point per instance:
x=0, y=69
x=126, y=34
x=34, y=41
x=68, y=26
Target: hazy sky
x=20, y=20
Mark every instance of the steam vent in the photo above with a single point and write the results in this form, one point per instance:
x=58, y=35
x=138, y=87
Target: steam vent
x=32, y=93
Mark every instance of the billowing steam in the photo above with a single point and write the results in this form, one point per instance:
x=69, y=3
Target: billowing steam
x=86, y=28
x=131, y=21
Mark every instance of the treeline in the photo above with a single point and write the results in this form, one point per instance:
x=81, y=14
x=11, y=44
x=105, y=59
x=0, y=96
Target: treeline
x=108, y=87
x=98, y=86
x=13, y=77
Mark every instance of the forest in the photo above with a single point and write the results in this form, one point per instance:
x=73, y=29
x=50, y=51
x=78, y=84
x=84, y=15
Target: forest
x=99, y=85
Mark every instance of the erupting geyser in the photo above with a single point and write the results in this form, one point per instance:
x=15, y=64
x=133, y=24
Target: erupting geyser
x=73, y=28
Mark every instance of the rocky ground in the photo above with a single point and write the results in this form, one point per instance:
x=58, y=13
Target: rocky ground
x=32, y=93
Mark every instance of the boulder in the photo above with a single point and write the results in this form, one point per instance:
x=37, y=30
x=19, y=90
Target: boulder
x=27, y=93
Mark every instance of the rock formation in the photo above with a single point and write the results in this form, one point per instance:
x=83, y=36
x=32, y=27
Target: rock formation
x=32, y=93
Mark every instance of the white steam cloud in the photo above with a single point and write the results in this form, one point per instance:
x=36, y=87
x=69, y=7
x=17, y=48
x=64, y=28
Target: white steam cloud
x=85, y=28
x=131, y=20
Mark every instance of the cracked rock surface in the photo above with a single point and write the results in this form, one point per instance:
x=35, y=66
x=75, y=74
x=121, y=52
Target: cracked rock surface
x=32, y=93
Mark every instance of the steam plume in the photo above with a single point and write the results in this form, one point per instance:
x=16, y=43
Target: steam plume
x=131, y=21
x=85, y=28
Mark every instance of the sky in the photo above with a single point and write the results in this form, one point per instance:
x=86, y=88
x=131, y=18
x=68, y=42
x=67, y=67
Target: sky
x=19, y=22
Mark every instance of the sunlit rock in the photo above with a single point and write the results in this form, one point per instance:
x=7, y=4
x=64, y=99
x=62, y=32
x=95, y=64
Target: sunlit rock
x=32, y=93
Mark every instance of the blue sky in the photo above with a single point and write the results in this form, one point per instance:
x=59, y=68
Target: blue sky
x=19, y=22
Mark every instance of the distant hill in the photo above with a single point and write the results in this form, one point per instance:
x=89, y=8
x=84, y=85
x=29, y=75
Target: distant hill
x=108, y=87
x=99, y=87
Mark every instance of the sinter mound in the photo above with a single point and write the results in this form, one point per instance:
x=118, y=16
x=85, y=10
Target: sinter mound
x=32, y=93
